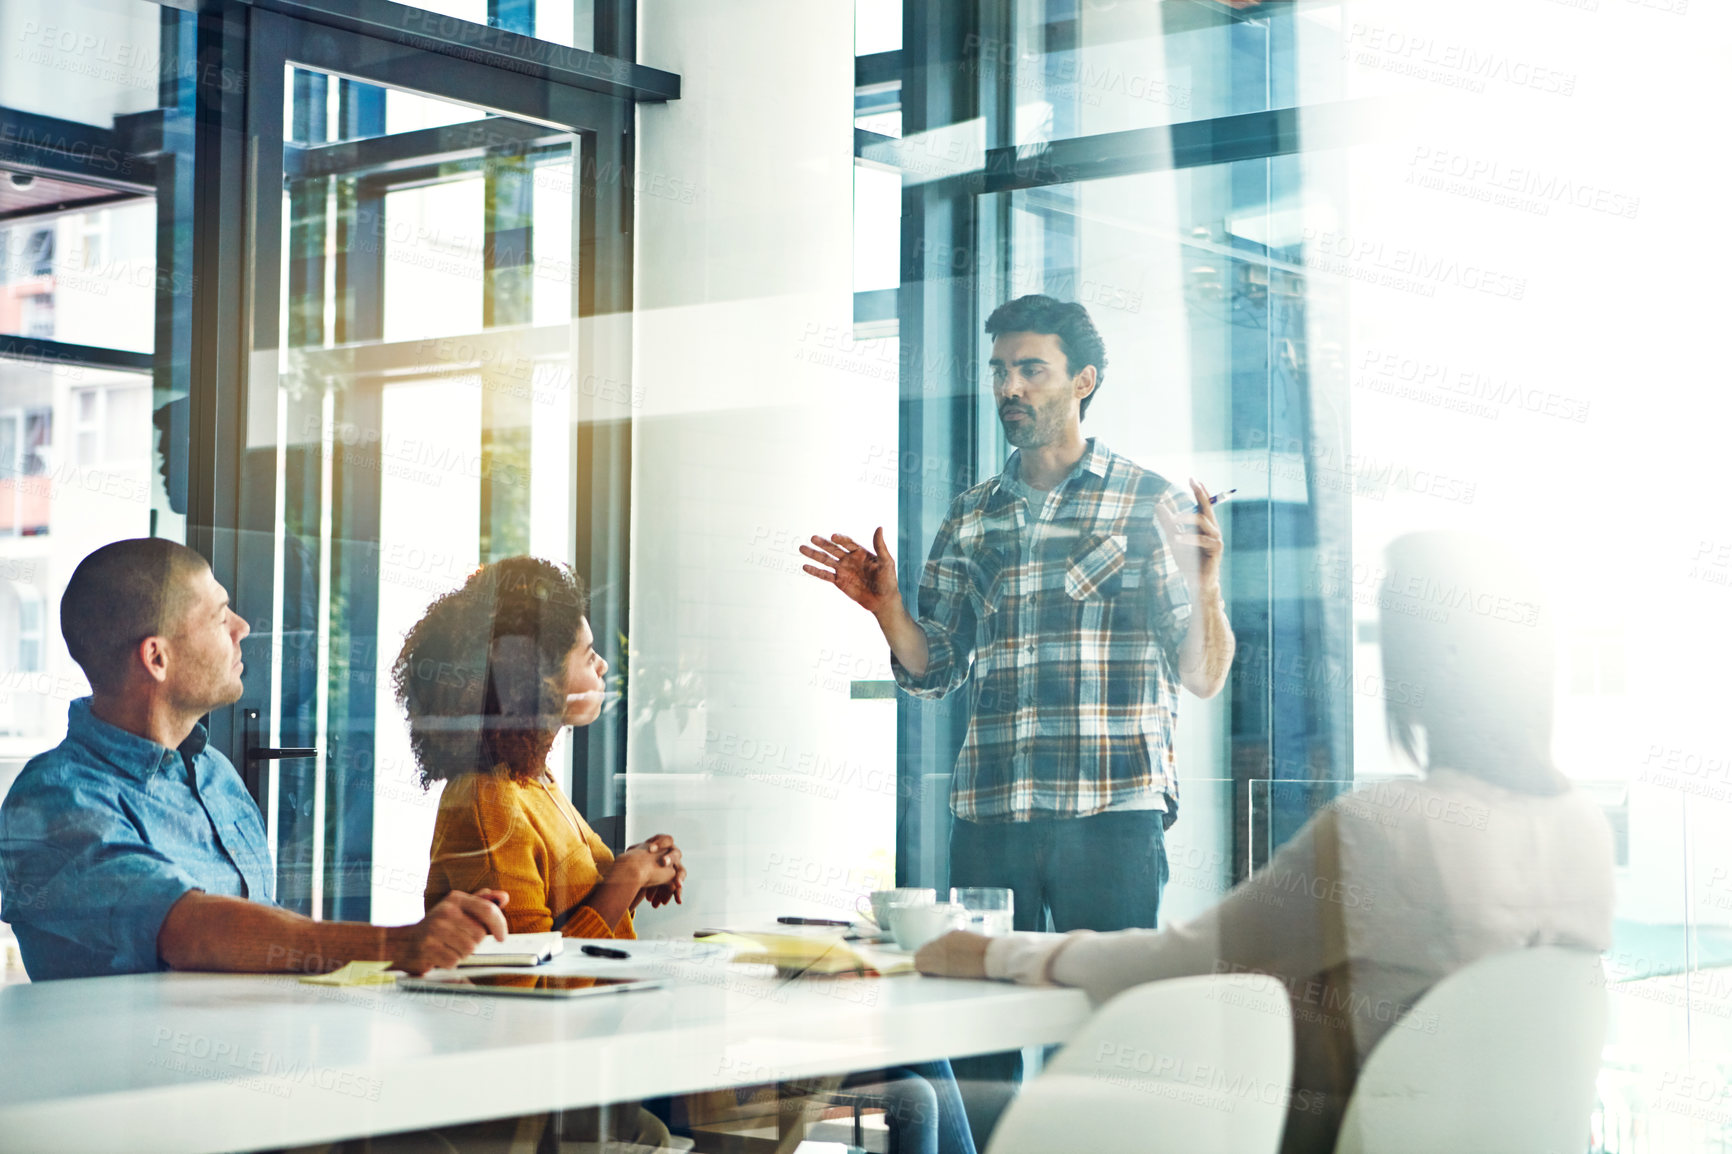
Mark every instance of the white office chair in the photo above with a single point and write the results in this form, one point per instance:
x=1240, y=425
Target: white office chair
x=1498, y=1058
x=1192, y=1065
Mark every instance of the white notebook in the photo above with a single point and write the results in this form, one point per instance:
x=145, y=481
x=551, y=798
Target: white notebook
x=516, y=950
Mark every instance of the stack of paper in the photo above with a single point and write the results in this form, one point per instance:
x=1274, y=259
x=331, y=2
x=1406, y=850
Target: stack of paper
x=809, y=954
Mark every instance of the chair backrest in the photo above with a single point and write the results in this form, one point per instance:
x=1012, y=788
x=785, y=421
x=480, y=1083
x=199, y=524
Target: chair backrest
x=1498, y=1058
x=1194, y=1065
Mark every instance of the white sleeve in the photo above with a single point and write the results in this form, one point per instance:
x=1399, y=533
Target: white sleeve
x=1284, y=920
x=1023, y=957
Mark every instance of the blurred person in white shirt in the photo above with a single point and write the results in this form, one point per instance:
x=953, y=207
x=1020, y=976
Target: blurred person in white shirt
x=1389, y=889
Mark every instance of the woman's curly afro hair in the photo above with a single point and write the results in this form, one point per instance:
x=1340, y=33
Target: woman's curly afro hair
x=482, y=674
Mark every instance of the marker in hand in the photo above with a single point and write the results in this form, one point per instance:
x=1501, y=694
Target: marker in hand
x=1223, y=495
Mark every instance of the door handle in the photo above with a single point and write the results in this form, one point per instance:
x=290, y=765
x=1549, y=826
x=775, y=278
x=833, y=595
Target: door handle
x=252, y=768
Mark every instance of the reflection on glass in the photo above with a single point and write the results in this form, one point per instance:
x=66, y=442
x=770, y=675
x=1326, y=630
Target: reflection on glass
x=78, y=468
x=425, y=413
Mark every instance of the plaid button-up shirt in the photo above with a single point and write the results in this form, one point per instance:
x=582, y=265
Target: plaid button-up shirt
x=1067, y=632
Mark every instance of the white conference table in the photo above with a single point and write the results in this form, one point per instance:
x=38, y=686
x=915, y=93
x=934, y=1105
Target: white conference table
x=194, y=1063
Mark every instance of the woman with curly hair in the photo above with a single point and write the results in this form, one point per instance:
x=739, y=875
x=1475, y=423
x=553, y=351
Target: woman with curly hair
x=488, y=677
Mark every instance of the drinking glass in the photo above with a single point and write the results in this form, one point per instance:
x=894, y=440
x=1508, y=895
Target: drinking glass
x=991, y=909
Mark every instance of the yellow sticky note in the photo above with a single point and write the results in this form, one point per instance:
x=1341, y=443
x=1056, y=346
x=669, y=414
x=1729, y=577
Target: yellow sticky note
x=354, y=974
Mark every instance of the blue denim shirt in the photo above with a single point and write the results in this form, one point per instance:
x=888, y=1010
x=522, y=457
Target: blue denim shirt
x=103, y=833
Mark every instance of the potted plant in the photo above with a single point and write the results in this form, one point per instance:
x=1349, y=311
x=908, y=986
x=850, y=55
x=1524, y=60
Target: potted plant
x=667, y=711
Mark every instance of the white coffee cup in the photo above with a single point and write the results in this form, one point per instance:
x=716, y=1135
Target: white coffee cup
x=914, y=926
x=883, y=900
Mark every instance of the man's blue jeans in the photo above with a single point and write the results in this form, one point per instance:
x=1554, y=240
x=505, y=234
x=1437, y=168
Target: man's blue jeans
x=1103, y=872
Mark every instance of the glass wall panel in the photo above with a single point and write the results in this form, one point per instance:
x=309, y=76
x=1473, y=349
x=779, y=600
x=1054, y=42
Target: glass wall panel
x=86, y=60
x=559, y=22
x=79, y=464
x=1078, y=69
x=1510, y=373
x=86, y=278
x=767, y=740
x=417, y=418
x=93, y=422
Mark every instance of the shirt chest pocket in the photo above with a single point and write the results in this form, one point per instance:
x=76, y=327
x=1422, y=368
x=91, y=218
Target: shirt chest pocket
x=1097, y=568
x=252, y=857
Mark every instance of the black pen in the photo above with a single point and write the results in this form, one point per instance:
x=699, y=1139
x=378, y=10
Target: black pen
x=604, y=952
x=793, y=921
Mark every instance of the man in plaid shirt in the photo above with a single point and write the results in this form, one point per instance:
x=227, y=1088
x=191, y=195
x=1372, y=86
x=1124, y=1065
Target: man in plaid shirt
x=1073, y=594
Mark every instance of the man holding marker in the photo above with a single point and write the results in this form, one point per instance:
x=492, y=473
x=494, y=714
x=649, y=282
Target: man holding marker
x=1074, y=593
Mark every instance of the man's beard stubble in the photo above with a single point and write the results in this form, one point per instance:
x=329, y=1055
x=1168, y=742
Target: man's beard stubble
x=1032, y=432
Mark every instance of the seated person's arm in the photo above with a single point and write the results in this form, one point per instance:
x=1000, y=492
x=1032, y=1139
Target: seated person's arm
x=484, y=842
x=1284, y=920
x=209, y=932
x=645, y=866
x=77, y=870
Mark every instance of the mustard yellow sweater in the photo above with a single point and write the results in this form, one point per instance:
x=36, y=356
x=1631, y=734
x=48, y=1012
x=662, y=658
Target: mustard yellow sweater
x=527, y=839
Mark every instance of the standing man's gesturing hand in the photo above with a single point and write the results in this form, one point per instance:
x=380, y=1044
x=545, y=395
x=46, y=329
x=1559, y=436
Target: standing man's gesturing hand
x=1206, y=653
x=1196, y=540
x=867, y=577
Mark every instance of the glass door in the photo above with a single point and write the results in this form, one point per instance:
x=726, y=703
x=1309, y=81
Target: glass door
x=424, y=278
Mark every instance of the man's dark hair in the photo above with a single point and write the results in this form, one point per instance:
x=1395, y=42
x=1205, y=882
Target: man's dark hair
x=118, y=596
x=1066, y=320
